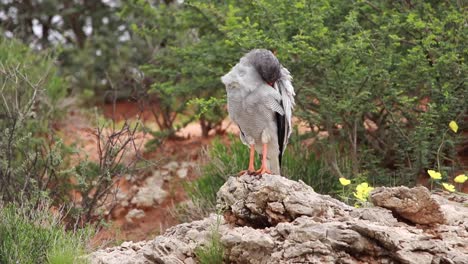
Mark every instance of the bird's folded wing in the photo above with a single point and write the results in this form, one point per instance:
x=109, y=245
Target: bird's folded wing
x=286, y=90
x=284, y=122
x=268, y=98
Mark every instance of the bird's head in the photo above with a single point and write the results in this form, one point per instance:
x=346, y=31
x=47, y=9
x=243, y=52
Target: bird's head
x=257, y=67
x=242, y=75
x=266, y=64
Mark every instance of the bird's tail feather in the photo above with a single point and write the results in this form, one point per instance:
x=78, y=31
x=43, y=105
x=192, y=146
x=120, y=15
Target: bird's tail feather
x=286, y=89
x=274, y=166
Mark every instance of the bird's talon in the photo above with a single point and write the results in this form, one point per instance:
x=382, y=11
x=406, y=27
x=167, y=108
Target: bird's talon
x=248, y=172
x=242, y=173
x=262, y=171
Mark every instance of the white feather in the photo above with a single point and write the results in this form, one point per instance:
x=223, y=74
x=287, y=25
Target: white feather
x=286, y=89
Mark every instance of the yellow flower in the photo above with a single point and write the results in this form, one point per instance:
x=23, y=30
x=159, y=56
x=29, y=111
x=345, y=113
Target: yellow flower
x=460, y=178
x=449, y=187
x=362, y=187
x=454, y=126
x=344, y=181
x=362, y=191
x=434, y=174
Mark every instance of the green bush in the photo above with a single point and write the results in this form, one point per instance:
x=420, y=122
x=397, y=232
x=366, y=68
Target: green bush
x=34, y=163
x=191, y=57
x=31, y=156
x=382, y=80
x=34, y=235
x=95, y=48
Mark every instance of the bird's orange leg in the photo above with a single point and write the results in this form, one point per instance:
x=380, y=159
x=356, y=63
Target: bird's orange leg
x=251, y=168
x=263, y=169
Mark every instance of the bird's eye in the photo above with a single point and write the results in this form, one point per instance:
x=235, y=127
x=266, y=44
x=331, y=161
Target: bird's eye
x=241, y=73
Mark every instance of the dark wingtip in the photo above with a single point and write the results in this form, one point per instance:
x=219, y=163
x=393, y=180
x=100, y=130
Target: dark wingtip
x=280, y=124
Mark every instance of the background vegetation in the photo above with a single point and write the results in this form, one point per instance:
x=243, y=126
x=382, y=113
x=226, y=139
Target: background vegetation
x=35, y=235
x=382, y=79
x=377, y=84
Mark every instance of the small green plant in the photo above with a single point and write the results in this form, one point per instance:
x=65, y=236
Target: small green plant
x=35, y=235
x=360, y=195
x=213, y=251
x=437, y=175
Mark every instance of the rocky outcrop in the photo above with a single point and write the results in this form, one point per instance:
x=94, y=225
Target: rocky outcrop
x=269, y=200
x=415, y=205
x=271, y=219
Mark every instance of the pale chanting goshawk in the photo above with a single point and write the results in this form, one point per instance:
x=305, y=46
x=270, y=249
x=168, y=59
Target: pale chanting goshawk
x=260, y=99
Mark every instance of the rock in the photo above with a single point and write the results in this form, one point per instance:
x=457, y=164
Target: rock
x=148, y=196
x=171, y=166
x=134, y=213
x=454, y=213
x=128, y=177
x=120, y=195
x=176, y=246
x=127, y=253
x=166, y=175
x=151, y=192
x=155, y=180
x=271, y=200
x=182, y=173
x=271, y=219
x=122, y=198
x=415, y=205
x=188, y=164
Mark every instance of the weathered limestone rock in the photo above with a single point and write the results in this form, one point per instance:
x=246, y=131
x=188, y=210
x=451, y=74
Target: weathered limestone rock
x=148, y=196
x=182, y=173
x=272, y=199
x=271, y=219
x=415, y=205
x=134, y=214
x=171, y=166
x=151, y=193
x=176, y=246
x=127, y=253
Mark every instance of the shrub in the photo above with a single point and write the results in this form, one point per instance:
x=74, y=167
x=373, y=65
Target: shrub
x=95, y=180
x=380, y=79
x=33, y=161
x=34, y=235
x=102, y=56
x=191, y=57
x=30, y=155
